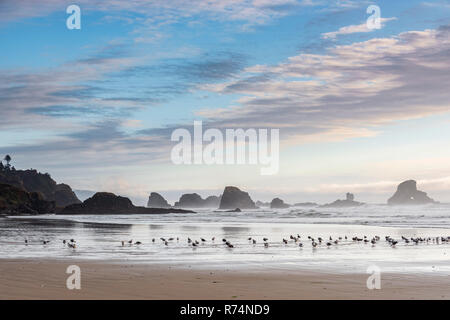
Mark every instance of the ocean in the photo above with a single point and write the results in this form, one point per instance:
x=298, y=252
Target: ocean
x=99, y=237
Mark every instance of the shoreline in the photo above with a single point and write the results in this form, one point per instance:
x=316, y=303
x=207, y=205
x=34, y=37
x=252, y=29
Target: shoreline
x=46, y=279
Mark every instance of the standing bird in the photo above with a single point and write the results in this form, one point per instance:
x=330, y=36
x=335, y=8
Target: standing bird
x=266, y=245
x=265, y=239
x=254, y=241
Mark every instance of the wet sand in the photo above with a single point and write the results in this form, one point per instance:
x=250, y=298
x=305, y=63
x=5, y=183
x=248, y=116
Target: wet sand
x=46, y=279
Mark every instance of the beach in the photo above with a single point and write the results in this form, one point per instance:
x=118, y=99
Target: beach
x=272, y=255
x=46, y=279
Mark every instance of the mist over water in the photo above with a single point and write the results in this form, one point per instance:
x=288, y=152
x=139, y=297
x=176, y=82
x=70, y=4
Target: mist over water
x=99, y=238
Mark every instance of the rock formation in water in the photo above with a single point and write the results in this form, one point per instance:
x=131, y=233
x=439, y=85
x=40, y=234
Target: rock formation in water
x=212, y=202
x=109, y=203
x=194, y=200
x=15, y=201
x=262, y=204
x=233, y=198
x=306, y=204
x=277, y=203
x=33, y=181
x=348, y=202
x=155, y=200
x=233, y=210
x=407, y=194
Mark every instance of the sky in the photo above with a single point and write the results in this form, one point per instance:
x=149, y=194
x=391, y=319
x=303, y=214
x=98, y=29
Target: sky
x=358, y=110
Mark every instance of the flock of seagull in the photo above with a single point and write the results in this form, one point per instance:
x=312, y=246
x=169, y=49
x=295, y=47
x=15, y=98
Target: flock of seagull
x=297, y=240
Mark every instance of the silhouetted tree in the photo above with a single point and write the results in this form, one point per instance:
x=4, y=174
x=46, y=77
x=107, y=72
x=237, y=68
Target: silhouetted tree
x=8, y=160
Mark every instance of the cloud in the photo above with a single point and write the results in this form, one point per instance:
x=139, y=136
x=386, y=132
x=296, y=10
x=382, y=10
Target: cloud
x=361, y=28
x=158, y=11
x=348, y=91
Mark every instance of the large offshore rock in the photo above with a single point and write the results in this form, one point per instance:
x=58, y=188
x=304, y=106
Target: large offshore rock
x=407, y=194
x=233, y=198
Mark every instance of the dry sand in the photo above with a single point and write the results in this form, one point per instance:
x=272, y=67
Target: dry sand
x=28, y=279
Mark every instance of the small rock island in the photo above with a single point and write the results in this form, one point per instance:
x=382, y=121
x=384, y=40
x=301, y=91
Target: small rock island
x=155, y=200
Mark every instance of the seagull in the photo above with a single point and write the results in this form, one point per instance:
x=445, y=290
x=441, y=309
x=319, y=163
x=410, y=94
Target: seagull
x=213, y=238
x=254, y=241
x=64, y=241
x=266, y=245
x=265, y=239
x=300, y=245
x=138, y=242
x=131, y=241
x=26, y=241
x=153, y=240
x=189, y=240
x=194, y=244
x=203, y=240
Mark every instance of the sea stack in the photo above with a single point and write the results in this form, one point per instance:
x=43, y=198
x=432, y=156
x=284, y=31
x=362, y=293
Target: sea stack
x=233, y=198
x=194, y=200
x=407, y=194
x=34, y=181
x=109, y=203
x=155, y=200
x=277, y=203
